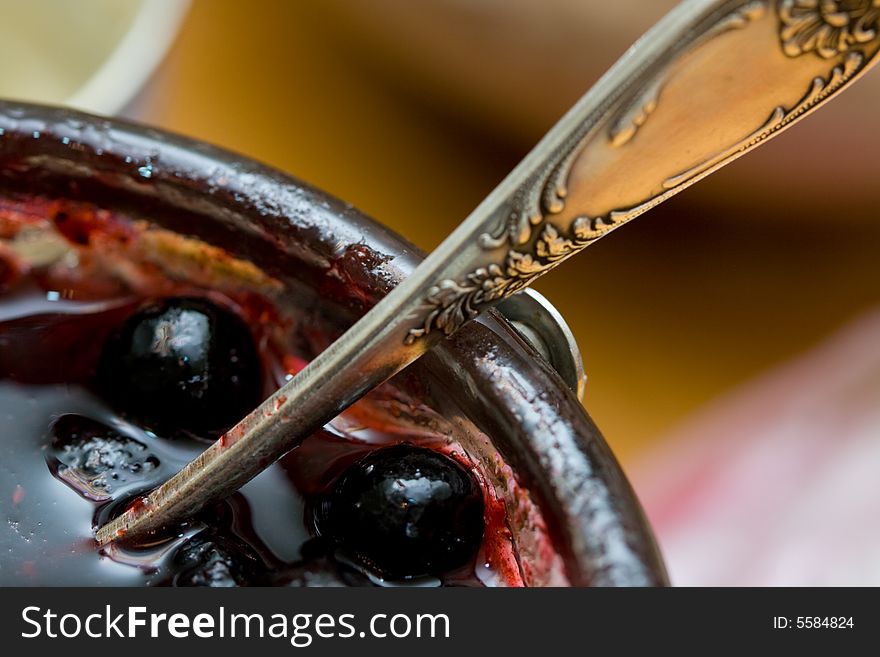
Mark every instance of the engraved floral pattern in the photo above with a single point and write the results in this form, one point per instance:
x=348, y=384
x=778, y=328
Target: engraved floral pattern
x=453, y=303
x=827, y=27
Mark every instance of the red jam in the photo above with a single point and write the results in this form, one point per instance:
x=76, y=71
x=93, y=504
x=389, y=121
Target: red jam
x=72, y=455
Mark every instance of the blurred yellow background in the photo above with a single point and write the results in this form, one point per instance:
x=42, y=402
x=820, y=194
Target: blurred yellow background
x=748, y=269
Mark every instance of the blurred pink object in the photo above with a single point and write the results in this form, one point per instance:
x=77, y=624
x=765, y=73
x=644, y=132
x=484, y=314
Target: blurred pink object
x=777, y=484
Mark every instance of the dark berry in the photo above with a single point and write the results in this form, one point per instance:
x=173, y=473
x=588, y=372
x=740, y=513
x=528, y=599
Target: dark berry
x=406, y=511
x=182, y=364
x=320, y=572
x=94, y=459
x=216, y=560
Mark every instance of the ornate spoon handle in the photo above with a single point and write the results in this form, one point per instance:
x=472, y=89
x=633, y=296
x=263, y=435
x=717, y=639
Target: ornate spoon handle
x=711, y=81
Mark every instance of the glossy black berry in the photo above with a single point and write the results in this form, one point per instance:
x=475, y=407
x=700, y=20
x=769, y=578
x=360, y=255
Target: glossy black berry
x=96, y=460
x=406, y=511
x=182, y=365
x=321, y=572
x=212, y=559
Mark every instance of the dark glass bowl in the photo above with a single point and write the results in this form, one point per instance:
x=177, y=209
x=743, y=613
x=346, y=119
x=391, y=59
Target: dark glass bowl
x=506, y=406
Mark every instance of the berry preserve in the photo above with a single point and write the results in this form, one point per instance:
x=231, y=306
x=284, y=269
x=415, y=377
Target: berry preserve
x=125, y=349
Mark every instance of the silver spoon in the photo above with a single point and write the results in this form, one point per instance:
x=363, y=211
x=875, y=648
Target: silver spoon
x=711, y=81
